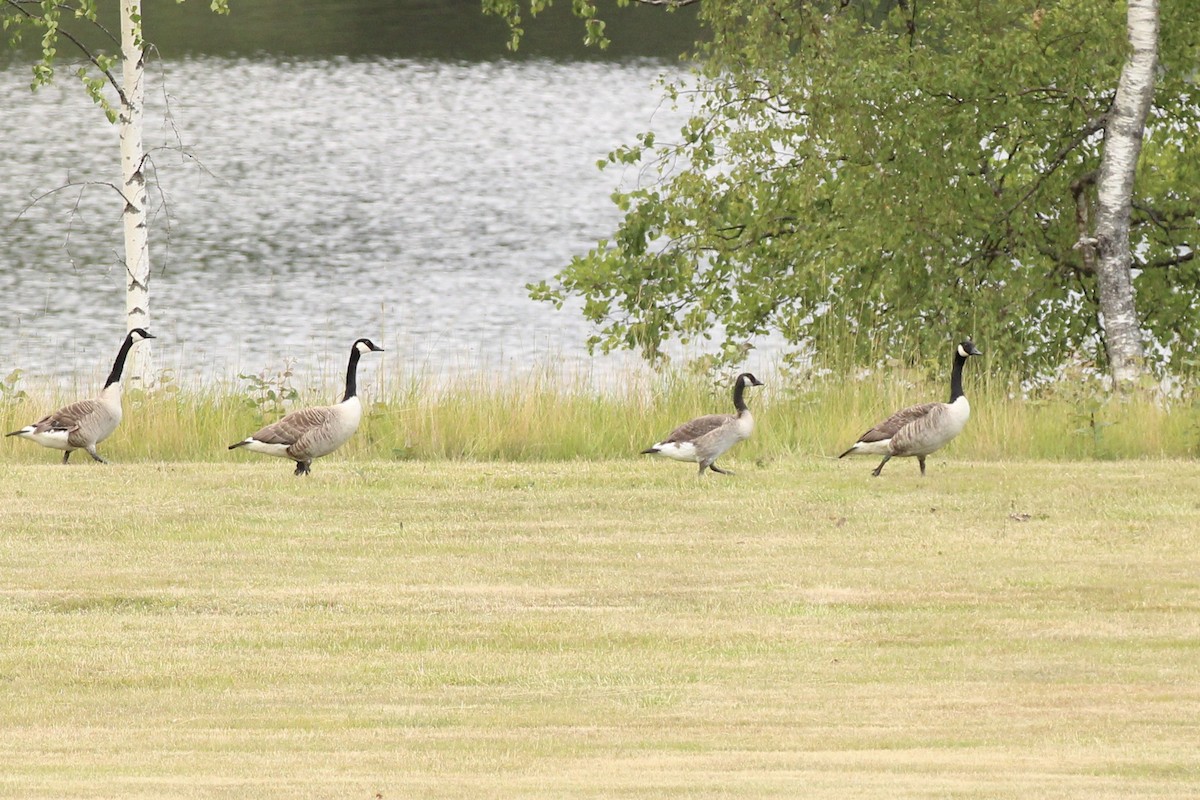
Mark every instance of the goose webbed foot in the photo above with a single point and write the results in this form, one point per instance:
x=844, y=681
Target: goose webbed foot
x=715, y=468
x=303, y=467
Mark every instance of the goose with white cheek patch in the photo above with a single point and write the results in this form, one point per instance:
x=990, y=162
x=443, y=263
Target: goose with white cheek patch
x=704, y=439
x=309, y=433
x=85, y=423
x=922, y=429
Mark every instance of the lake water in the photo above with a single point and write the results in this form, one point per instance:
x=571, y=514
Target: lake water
x=316, y=201
x=307, y=201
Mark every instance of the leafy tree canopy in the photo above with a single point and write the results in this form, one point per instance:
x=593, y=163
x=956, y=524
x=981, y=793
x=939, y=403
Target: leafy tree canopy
x=876, y=178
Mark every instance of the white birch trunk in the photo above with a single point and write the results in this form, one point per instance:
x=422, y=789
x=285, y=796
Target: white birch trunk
x=133, y=186
x=1118, y=167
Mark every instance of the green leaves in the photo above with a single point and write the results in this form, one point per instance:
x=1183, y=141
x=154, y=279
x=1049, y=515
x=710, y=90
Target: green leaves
x=895, y=175
x=71, y=22
x=95, y=88
x=594, y=27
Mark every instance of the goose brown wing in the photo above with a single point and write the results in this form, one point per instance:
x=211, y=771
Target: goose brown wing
x=924, y=432
x=690, y=431
x=67, y=418
x=291, y=428
x=892, y=425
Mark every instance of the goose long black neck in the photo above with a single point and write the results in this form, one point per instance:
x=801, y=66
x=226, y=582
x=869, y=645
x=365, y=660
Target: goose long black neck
x=352, y=374
x=119, y=364
x=739, y=400
x=956, y=390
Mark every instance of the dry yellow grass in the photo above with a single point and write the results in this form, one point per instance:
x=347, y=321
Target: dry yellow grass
x=600, y=629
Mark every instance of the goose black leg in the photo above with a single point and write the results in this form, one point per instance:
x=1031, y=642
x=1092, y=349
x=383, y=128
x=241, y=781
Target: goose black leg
x=91, y=451
x=879, y=469
x=303, y=467
x=715, y=468
x=921, y=461
x=66, y=455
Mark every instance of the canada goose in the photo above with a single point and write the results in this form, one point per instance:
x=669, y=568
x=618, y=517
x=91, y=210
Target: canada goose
x=921, y=429
x=85, y=423
x=704, y=439
x=310, y=433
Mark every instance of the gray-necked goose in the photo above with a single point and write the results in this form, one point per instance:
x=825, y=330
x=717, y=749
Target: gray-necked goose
x=309, y=433
x=704, y=439
x=84, y=424
x=922, y=429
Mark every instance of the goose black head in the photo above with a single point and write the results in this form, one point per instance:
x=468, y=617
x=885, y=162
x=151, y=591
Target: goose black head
x=137, y=334
x=967, y=348
x=747, y=379
x=367, y=346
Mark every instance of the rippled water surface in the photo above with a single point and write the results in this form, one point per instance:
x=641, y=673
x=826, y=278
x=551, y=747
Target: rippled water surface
x=307, y=202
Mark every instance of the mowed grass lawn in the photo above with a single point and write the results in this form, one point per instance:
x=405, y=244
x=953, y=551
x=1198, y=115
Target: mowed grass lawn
x=600, y=629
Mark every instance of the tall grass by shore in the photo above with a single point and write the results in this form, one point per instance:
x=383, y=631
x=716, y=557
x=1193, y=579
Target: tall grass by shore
x=546, y=414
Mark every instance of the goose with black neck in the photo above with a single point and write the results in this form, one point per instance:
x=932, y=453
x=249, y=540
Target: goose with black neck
x=704, y=439
x=922, y=429
x=85, y=423
x=309, y=433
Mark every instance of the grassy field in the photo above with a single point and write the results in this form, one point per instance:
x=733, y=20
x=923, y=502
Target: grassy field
x=599, y=629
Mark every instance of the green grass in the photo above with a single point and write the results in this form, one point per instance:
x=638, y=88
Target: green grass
x=600, y=628
x=545, y=415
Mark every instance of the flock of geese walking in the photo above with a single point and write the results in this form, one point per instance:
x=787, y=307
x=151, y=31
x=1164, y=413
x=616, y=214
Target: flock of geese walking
x=309, y=433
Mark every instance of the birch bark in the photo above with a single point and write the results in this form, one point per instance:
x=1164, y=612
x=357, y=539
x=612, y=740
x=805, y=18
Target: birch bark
x=133, y=185
x=1123, y=133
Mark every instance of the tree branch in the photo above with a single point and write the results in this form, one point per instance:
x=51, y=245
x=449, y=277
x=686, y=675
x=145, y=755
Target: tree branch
x=69, y=185
x=1173, y=261
x=1163, y=221
x=87, y=53
x=1086, y=243
x=1094, y=125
